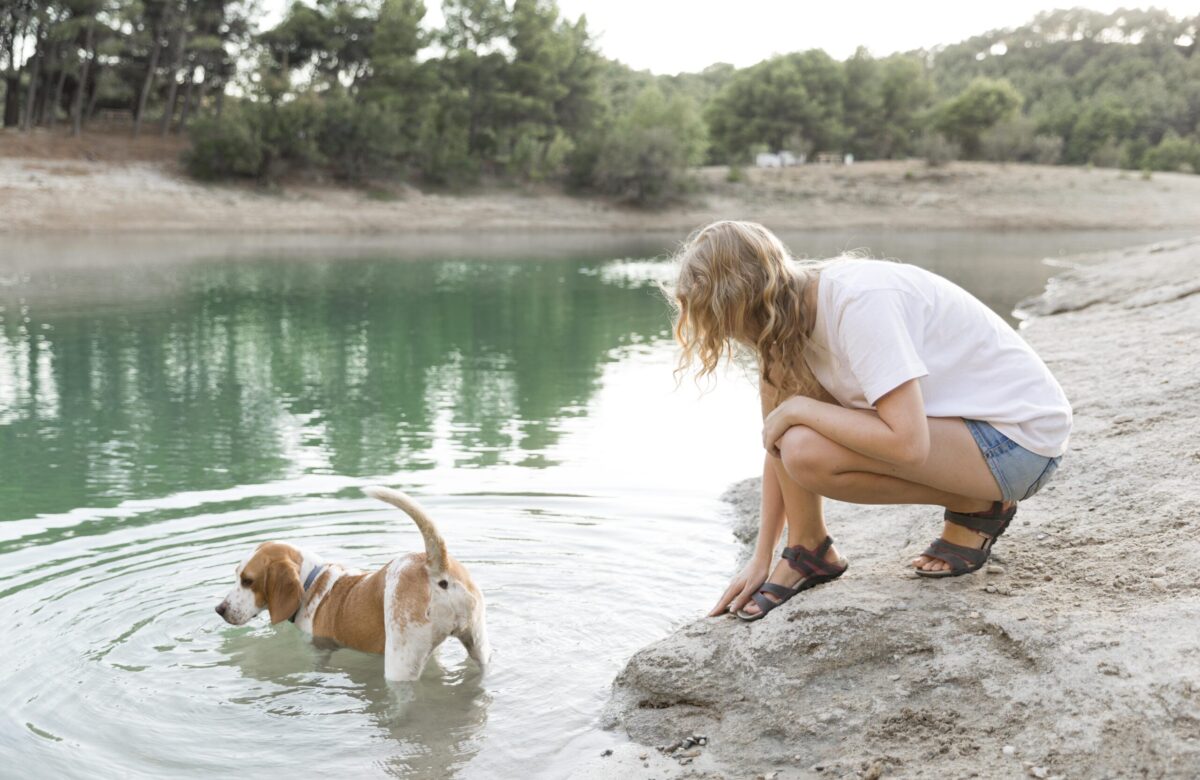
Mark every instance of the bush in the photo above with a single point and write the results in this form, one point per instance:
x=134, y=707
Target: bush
x=229, y=147
x=936, y=150
x=359, y=141
x=442, y=153
x=1107, y=155
x=645, y=156
x=1008, y=141
x=1173, y=153
x=1047, y=149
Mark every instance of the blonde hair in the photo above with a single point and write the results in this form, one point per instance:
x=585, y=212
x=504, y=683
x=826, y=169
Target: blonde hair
x=737, y=283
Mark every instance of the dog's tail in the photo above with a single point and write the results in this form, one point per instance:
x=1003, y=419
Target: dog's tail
x=435, y=548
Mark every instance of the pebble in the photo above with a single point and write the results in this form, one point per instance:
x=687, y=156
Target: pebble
x=994, y=569
x=1008, y=750
x=1159, y=585
x=689, y=753
x=973, y=615
x=644, y=756
x=606, y=754
x=1048, y=578
x=1039, y=772
x=990, y=588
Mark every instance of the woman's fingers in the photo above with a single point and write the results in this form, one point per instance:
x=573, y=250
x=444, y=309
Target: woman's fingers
x=726, y=597
x=744, y=597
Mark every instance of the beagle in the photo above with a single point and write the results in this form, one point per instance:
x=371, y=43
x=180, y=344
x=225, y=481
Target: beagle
x=403, y=610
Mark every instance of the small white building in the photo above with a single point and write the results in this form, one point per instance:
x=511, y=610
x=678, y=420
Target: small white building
x=768, y=160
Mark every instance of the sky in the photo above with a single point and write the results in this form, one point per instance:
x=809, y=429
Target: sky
x=672, y=36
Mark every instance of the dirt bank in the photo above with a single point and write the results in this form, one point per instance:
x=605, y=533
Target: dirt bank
x=108, y=183
x=1077, y=655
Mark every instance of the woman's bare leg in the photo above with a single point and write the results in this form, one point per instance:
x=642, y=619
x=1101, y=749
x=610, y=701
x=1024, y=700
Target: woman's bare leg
x=954, y=476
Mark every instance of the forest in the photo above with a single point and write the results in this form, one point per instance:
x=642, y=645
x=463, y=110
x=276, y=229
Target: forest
x=367, y=90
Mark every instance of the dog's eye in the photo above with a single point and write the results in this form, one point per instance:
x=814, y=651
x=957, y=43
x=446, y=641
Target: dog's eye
x=443, y=584
x=246, y=582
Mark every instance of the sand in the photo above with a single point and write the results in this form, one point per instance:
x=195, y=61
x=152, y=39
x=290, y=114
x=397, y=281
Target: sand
x=106, y=183
x=1075, y=655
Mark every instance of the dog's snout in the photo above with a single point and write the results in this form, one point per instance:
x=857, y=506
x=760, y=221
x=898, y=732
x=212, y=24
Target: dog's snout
x=221, y=608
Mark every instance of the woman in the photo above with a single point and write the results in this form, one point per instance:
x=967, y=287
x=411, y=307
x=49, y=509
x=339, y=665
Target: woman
x=881, y=383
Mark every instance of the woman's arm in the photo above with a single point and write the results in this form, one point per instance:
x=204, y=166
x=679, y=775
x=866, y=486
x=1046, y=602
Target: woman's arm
x=896, y=432
x=747, y=582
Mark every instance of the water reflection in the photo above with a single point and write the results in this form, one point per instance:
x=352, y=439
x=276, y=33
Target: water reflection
x=433, y=724
x=252, y=372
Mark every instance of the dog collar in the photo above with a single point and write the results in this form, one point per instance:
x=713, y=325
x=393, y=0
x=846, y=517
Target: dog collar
x=308, y=581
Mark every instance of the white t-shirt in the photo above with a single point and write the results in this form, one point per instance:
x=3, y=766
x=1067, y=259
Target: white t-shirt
x=880, y=324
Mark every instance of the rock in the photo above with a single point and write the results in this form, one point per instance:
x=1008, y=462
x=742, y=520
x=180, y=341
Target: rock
x=995, y=569
x=1039, y=772
x=990, y=588
x=1008, y=750
x=606, y=753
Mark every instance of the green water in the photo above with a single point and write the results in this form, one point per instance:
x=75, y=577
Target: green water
x=246, y=373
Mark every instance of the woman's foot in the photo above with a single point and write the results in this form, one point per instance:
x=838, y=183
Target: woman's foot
x=955, y=534
x=788, y=577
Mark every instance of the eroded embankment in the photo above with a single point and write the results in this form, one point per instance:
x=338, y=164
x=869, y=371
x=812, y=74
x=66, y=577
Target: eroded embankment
x=1077, y=654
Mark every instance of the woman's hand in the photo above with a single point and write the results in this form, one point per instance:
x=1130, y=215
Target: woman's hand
x=744, y=585
x=790, y=412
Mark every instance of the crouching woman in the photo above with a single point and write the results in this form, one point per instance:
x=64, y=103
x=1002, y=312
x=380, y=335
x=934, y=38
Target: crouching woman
x=881, y=383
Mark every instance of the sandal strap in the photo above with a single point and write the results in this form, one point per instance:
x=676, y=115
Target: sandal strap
x=812, y=563
x=782, y=591
x=959, y=558
x=992, y=522
x=765, y=604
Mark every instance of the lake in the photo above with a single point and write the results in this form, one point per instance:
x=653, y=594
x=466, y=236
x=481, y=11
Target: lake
x=168, y=403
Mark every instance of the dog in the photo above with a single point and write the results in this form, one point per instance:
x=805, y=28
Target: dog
x=403, y=610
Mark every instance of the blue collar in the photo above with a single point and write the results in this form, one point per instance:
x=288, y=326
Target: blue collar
x=308, y=581
x=312, y=575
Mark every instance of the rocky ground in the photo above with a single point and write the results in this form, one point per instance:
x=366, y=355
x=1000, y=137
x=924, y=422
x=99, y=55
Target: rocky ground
x=1076, y=654
x=105, y=182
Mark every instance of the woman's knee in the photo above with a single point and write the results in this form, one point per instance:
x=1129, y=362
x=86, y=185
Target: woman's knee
x=805, y=455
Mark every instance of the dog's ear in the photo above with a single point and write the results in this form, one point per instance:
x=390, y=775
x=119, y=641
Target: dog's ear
x=283, y=590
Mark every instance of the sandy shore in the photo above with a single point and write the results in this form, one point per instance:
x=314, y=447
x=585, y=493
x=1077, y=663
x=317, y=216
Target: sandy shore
x=50, y=186
x=1074, y=655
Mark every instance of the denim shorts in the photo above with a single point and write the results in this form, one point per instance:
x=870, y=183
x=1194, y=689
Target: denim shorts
x=1019, y=472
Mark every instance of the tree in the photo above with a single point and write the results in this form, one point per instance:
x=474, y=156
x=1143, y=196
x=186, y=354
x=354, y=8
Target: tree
x=649, y=149
x=980, y=106
x=780, y=102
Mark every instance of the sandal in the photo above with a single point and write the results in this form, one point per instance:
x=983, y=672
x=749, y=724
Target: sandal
x=964, y=560
x=810, y=563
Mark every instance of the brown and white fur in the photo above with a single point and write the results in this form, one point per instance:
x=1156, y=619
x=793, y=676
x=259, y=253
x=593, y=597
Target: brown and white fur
x=403, y=610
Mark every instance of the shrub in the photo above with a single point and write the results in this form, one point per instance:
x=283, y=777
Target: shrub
x=1047, y=149
x=228, y=147
x=359, y=141
x=1173, y=153
x=936, y=150
x=645, y=157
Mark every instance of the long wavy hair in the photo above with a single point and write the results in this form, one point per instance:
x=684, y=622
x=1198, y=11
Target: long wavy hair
x=738, y=285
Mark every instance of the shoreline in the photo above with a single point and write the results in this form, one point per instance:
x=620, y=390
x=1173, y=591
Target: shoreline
x=1072, y=655
x=93, y=197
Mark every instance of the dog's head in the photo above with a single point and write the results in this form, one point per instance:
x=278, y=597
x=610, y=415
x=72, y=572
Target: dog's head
x=268, y=579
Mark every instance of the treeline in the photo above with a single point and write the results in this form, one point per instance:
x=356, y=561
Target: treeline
x=364, y=89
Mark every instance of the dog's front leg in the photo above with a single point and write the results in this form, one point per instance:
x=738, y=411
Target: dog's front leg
x=406, y=651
